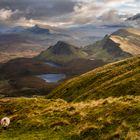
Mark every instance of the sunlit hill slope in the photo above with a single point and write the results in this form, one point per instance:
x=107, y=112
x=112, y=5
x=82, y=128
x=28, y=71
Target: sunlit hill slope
x=116, y=79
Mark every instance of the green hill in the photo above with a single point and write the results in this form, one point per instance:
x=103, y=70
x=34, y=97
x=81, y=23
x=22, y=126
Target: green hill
x=113, y=80
x=61, y=52
x=109, y=108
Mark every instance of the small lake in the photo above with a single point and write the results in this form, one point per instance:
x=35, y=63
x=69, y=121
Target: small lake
x=52, y=78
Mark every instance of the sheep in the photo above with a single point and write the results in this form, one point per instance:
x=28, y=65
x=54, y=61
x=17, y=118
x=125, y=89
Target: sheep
x=5, y=122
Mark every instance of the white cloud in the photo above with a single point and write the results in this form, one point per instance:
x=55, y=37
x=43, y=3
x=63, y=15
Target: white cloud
x=104, y=11
x=111, y=17
x=5, y=14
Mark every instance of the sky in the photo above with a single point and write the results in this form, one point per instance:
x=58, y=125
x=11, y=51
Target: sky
x=66, y=13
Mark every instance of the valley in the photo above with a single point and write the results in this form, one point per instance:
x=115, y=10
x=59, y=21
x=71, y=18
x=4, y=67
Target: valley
x=101, y=104
x=72, y=83
x=42, y=73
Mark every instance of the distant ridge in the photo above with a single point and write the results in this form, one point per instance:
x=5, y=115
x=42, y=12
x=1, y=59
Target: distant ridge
x=135, y=17
x=117, y=46
x=133, y=21
x=38, y=30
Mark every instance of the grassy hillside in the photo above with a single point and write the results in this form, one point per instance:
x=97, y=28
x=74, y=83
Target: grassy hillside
x=117, y=79
x=109, y=108
x=41, y=119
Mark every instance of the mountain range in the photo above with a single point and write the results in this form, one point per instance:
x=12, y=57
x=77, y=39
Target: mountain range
x=28, y=42
x=21, y=75
x=36, y=29
x=120, y=44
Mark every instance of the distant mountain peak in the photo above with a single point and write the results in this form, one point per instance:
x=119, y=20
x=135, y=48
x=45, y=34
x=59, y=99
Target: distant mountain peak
x=62, y=43
x=135, y=17
x=38, y=30
x=36, y=26
x=62, y=47
x=61, y=52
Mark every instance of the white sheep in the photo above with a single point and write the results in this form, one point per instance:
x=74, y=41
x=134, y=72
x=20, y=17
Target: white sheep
x=5, y=122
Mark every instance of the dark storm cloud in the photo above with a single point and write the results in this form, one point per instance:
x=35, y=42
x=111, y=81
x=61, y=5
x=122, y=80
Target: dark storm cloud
x=66, y=12
x=39, y=9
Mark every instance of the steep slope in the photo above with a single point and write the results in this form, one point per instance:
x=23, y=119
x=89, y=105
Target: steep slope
x=129, y=40
x=113, y=80
x=42, y=119
x=120, y=44
x=61, y=52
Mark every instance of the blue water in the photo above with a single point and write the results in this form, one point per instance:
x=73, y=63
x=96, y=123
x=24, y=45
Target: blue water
x=52, y=78
x=52, y=64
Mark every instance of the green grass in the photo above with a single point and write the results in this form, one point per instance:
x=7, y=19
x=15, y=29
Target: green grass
x=59, y=58
x=100, y=53
x=105, y=105
x=117, y=79
x=43, y=119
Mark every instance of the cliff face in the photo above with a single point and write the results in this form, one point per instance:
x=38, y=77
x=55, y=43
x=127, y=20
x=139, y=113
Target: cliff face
x=113, y=48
